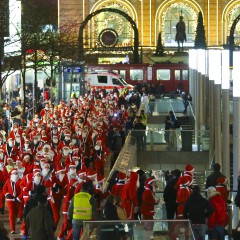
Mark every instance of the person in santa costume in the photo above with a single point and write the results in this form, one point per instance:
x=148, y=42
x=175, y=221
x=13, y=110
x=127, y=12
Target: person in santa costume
x=58, y=190
x=2, y=182
x=12, y=192
x=182, y=195
x=222, y=187
x=118, y=187
x=149, y=201
x=189, y=171
x=129, y=195
x=72, y=177
x=98, y=156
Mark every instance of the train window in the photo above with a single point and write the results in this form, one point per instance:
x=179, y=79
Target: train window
x=185, y=75
x=116, y=81
x=123, y=74
x=136, y=74
x=102, y=79
x=163, y=74
x=177, y=75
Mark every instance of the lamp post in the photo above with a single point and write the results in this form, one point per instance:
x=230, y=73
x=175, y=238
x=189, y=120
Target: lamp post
x=236, y=127
x=225, y=114
x=215, y=96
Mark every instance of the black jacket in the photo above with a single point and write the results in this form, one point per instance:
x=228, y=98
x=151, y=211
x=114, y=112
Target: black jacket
x=212, y=179
x=197, y=208
x=110, y=212
x=170, y=193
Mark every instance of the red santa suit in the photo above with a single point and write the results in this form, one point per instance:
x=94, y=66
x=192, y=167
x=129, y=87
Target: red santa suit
x=12, y=192
x=57, y=191
x=66, y=201
x=222, y=188
x=129, y=195
x=182, y=196
x=148, y=200
x=98, y=155
x=2, y=182
x=118, y=187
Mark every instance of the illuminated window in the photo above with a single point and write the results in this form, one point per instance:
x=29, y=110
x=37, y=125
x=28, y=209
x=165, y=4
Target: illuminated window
x=177, y=75
x=123, y=74
x=163, y=74
x=136, y=74
x=185, y=75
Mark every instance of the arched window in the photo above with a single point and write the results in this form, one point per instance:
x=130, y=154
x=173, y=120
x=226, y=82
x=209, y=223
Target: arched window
x=171, y=17
x=234, y=13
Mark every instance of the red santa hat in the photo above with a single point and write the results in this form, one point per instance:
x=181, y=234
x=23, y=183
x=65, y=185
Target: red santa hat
x=44, y=139
x=36, y=172
x=14, y=170
x=9, y=138
x=91, y=173
x=59, y=169
x=10, y=158
x=121, y=176
x=81, y=172
x=189, y=168
x=150, y=180
x=100, y=178
x=36, y=168
x=222, y=180
x=18, y=160
x=75, y=148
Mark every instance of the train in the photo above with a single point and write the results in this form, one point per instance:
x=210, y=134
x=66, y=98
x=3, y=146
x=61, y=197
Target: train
x=171, y=75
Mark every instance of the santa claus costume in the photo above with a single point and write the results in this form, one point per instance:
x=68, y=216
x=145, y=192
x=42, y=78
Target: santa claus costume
x=118, y=187
x=12, y=192
x=129, y=195
x=222, y=187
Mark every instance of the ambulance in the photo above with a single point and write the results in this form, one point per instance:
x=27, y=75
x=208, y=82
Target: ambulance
x=106, y=80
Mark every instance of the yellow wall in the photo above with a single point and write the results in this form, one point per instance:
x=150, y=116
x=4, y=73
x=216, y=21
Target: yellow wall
x=72, y=13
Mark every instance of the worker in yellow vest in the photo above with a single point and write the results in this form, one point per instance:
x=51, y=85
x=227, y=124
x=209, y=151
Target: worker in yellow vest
x=82, y=208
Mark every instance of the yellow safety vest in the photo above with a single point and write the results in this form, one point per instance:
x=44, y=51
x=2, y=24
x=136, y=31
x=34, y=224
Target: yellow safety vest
x=82, y=207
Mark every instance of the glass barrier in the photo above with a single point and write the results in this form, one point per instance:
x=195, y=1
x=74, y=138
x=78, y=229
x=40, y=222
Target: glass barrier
x=138, y=230
x=171, y=140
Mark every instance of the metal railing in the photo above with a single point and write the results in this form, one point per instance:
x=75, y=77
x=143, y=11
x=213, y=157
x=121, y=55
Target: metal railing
x=171, y=140
x=138, y=230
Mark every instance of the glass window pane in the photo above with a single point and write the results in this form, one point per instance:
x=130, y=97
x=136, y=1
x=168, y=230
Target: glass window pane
x=163, y=74
x=116, y=81
x=123, y=74
x=177, y=75
x=136, y=74
x=184, y=74
x=102, y=79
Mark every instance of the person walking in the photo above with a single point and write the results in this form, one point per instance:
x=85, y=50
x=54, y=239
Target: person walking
x=41, y=221
x=197, y=209
x=82, y=208
x=170, y=195
x=212, y=178
x=218, y=219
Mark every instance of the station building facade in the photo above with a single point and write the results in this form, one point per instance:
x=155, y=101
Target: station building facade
x=151, y=18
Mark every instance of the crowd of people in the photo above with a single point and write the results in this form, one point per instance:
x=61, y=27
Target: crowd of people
x=184, y=200
x=60, y=154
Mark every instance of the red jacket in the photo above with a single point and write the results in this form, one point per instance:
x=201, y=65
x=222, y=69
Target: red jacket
x=223, y=191
x=219, y=216
x=117, y=189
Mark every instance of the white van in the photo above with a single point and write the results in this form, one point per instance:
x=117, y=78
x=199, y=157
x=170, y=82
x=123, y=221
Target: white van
x=106, y=80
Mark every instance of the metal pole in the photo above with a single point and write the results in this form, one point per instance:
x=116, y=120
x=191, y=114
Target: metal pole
x=225, y=134
x=236, y=152
x=211, y=120
x=217, y=115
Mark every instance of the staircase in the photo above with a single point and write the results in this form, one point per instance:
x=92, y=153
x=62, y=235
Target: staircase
x=200, y=180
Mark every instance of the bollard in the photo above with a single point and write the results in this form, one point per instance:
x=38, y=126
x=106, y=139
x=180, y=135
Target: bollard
x=230, y=216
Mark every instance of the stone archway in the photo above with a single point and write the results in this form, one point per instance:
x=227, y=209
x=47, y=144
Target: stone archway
x=128, y=18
